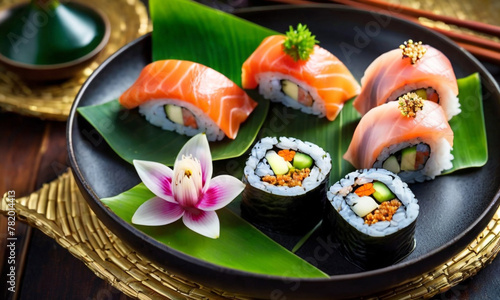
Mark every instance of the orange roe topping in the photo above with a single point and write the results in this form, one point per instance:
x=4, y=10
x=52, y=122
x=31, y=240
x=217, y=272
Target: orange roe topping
x=287, y=154
x=384, y=212
x=365, y=190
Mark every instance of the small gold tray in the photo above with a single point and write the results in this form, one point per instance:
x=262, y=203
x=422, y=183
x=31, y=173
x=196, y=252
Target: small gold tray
x=59, y=210
x=128, y=19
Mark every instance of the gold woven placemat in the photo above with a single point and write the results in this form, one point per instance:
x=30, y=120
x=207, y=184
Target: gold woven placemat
x=128, y=19
x=59, y=210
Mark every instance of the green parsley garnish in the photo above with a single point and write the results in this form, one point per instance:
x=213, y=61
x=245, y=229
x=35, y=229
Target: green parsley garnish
x=299, y=44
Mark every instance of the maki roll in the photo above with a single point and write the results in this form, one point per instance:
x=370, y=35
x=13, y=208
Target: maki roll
x=189, y=98
x=413, y=67
x=316, y=83
x=410, y=137
x=286, y=181
x=372, y=215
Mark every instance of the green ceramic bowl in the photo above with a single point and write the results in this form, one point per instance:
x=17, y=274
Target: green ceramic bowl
x=51, y=43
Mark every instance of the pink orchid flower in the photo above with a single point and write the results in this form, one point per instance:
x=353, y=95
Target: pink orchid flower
x=187, y=191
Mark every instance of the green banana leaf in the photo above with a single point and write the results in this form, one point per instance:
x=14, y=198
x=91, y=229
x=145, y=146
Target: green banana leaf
x=470, y=148
x=240, y=245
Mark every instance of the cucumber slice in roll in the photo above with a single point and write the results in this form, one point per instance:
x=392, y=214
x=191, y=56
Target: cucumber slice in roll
x=278, y=164
x=302, y=161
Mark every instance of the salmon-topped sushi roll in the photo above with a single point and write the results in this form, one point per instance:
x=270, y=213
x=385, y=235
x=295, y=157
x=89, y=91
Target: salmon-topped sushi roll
x=189, y=98
x=413, y=67
x=410, y=137
x=299, y=74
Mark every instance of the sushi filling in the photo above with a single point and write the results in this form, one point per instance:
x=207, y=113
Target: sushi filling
x=426, y=94
x=180, y=115
x=288, y=167
x=411, y=158
x=374, y=202
x=296, y=92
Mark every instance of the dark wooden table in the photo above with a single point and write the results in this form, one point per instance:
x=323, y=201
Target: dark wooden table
x=33, y=152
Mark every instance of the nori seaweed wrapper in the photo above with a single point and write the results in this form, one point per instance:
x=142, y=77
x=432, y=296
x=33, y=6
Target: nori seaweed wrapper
x=369, y=246
x=294, y=214
x=366, y=251
x=288, y=210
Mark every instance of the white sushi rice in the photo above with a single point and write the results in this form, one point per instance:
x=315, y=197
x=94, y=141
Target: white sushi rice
x=448, y=101
x=341, y=197
x=154, y=112
x=257, y=166
x=270, y=88
x=440, y=159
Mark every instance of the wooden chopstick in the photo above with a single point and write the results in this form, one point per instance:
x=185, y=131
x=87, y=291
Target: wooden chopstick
x=473, y=25
x=469, y=39
x=481, y=53
x=482, y=48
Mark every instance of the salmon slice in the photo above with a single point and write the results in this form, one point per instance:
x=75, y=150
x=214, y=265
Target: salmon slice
x=217, y=96
x=330, y=78
x=390, y=72
x=384, y=126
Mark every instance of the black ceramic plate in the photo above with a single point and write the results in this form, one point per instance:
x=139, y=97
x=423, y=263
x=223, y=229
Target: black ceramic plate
x=457, y=207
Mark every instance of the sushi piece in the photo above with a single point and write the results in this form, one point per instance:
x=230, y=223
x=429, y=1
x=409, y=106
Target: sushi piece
x=372, y=215
x=412, y=68
x=189, y=98
x=410, y=137
x=318, y=84
x=286, y=181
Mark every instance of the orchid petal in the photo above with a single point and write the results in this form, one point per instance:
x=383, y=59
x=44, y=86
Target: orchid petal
x=157, y=178
x=198, y=147
x=205, y=223
x=222, y=190
x=156, y=212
